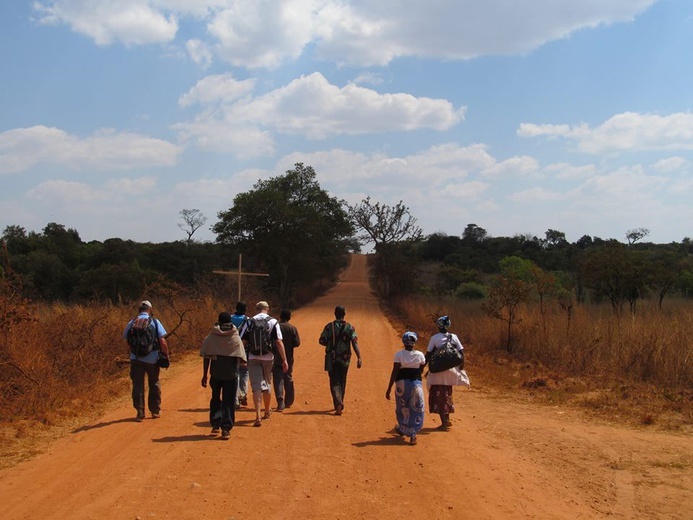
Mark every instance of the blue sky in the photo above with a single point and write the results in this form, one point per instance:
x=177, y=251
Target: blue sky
x=518, y=116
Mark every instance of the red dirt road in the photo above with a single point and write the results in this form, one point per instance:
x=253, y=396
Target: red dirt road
x=501, y=460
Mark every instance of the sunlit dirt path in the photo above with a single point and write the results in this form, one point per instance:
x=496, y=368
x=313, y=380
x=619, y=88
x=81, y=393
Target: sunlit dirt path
x=501, y=460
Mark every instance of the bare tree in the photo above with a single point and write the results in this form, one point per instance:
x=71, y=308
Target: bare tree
x=633, y=235
x=193, y=219
x=383, y=224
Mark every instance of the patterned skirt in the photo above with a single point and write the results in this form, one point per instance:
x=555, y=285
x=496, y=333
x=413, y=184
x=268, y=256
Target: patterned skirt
x=440, y=399
x=409, y=405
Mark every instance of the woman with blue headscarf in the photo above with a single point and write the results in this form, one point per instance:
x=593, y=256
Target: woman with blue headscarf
x=440, y=383
x=409, y=398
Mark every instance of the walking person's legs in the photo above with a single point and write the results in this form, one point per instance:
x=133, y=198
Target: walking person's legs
x=137, y=376
x=289, y=391
x=228, y=406
x=242, y=391
x=154, y=393
x=279, y=386
x=215, y=411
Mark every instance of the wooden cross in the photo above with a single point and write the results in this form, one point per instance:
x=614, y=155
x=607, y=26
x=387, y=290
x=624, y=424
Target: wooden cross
x=240, y=274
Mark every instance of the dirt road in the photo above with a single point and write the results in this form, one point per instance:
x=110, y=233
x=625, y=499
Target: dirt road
x=501, y=460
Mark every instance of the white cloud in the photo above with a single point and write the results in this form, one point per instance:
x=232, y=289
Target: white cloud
x=308, y=106
x=218, y=88
x=199, y=52
x=266, y=33
x=66, y=193
x=670, y=164
x=132, y=22
x=536, y=194
x=24, y=148
x=263, y=33
x=515, y=166
x=565, y=171
x=626, y=132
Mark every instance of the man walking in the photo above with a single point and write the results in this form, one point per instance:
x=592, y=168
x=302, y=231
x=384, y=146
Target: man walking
x=283, y=381
x=145, y=336
x=339, y=337
x=222, y=351
x=263, y=339
x=238, y=319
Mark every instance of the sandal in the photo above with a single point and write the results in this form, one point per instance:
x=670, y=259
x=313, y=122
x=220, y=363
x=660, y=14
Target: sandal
x=267, y=415
x=257, y=422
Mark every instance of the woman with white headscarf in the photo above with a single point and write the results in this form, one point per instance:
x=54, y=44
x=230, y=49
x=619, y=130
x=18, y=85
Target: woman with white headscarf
x=409, y=398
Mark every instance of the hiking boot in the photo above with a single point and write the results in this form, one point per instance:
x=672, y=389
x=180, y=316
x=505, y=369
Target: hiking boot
x=226, y=435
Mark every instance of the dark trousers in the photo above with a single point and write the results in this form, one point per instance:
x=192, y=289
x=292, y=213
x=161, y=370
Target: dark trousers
x=138, y=371
x=338, y=378
x=222, y=410
x=284, y=385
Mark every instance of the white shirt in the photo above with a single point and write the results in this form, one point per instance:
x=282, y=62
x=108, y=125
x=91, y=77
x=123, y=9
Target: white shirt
x=439, y=339
x=409, y=358
x=272, y=323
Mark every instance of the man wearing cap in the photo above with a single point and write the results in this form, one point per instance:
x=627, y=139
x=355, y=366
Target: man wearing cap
x=338, y=338
x=260, y=366
x=146, y=365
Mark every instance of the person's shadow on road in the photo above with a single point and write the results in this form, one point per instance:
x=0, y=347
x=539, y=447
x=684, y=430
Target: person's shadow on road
x=101, y=425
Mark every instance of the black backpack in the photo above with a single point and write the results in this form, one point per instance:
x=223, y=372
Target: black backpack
x=143, y=336
x=258, y=336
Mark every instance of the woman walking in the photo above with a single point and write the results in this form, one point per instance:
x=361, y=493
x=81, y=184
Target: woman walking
x=440, y=383
x=409, y=398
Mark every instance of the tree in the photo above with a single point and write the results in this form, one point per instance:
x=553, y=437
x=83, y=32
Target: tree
x=387, y=227
x=383, y=224
x=290, y=227
x=633, y=235
x=504, y=297
x=474, y=234
x=193, y=220
x=554, y=239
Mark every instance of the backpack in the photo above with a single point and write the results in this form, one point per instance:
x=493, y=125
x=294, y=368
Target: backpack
x=143, y=336
x=258, y=335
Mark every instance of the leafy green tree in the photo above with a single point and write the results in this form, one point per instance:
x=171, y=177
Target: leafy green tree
x=504, y=297
x=291, y=227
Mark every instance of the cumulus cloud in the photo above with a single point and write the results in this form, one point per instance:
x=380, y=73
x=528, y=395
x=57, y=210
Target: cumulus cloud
x=218, y=88
x=267, y=33
x=626, y=132
x=310, y=106
x=199, y=52
x=24, y=148
x=132, y=22
x=670, y=164
x=513, y=167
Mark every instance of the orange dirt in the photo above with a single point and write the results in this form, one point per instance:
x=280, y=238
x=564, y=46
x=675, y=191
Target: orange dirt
x=501, y=459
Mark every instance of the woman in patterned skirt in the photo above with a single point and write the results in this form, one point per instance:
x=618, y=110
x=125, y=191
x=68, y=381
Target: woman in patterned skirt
x=409, y=398
x=440, y=383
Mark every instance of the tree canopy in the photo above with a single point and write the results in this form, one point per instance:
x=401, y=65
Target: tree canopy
x=290, y=227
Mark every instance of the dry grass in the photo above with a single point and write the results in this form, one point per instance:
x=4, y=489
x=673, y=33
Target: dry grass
x=60, y=364
x=634, y=368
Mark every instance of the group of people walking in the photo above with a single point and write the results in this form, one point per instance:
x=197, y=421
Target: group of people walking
x=257, y=351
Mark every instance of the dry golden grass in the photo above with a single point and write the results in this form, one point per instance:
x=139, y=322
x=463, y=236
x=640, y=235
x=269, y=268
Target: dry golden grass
x=60, y=364
x=634, y=368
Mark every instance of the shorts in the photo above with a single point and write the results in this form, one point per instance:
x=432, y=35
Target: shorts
x=260, y=373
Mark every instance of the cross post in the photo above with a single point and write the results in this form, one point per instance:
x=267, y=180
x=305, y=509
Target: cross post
x=239, y=273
